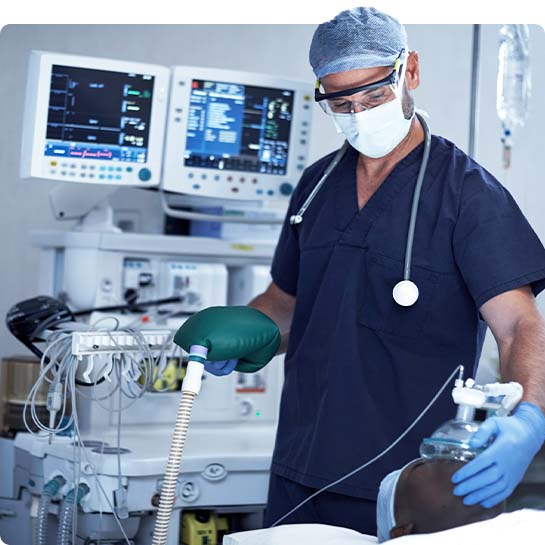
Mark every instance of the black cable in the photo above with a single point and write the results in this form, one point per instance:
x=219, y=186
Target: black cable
x=57, y=318
x=157, y=302
x=33, y=348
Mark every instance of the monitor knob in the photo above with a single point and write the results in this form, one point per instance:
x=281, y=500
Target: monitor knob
x=286, y=189
x=144, y=174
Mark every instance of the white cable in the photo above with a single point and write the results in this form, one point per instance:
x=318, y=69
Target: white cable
x=57, y=369
x=77, y=463
x=378, y=456
x=104, y=318
x=77, y=437
x=62, y=367
x=120, y=399
x=97, y=480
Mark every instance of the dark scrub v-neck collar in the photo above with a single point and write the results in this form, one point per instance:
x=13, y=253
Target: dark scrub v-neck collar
x=349, y=217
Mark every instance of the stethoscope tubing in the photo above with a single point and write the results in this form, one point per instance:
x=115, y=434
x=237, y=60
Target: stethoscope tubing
x=296, y=219
x=416, y=198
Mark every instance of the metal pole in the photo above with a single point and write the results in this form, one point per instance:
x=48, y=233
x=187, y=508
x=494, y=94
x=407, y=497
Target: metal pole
x=474, y=96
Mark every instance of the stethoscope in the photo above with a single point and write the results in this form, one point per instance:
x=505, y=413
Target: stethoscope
x=405, y=292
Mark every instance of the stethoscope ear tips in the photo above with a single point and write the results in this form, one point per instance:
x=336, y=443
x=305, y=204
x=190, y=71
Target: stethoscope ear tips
x=405, y=293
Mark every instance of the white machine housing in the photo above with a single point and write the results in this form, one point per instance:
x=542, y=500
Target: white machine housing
x=201, y=285
x=233, y=426
x=34, y=162
x=239, y=399
x=224, y=469
x=95, y=269
x=247, y=282
x=233, y=184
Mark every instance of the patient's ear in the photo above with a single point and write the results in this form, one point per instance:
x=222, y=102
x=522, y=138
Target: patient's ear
x=403, y=530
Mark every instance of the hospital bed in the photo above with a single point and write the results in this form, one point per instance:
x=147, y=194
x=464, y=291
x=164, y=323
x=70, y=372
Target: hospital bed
x=523, y=527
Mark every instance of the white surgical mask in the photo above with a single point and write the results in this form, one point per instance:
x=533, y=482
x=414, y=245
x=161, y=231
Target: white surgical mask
x=376, y=132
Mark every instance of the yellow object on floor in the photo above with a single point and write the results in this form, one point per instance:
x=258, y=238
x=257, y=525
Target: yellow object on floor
x=199, y=528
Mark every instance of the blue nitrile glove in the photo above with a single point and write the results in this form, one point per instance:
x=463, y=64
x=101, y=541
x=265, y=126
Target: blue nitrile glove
x=493, y=475
x=220, y=368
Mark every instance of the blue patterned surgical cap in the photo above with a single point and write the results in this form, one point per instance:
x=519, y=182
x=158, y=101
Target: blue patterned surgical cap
x=356, y=38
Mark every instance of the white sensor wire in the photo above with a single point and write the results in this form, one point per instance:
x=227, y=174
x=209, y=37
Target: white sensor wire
x=378, y=456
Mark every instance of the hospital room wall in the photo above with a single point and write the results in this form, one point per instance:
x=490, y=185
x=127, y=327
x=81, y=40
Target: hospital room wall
x=280, y=50
x=525, y=179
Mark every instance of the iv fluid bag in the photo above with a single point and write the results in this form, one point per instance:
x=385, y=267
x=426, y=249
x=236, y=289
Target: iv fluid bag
x=514, y=82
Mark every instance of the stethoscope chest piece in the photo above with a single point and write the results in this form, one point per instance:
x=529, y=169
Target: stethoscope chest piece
x=405, y=293
x=296, y=219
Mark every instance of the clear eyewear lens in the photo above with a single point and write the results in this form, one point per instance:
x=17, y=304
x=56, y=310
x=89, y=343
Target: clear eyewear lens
x=364, y=100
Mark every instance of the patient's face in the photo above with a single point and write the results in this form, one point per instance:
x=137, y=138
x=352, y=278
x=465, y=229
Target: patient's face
x=425, y=503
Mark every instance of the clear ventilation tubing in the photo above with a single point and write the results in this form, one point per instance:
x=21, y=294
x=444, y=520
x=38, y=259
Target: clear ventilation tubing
x=50, y=490
x=70, y=502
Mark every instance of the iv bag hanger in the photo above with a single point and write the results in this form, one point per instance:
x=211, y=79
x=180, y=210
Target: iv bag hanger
x=88, y=204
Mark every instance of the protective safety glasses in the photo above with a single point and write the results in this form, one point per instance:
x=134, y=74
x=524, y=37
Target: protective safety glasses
x=363, y=97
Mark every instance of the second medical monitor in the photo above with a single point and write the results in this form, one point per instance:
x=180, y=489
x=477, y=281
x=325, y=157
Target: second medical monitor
x=234, y=134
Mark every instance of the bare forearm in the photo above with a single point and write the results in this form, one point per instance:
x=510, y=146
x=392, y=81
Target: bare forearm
x=278, y=306
x=522, y=359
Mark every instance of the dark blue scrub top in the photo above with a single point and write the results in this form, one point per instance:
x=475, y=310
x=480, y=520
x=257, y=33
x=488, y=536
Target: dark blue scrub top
x=359, y=367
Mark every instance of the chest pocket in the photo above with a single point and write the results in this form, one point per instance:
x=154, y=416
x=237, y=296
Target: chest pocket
x=379, y=311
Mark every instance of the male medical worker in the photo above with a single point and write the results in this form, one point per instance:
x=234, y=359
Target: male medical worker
x=359, y=366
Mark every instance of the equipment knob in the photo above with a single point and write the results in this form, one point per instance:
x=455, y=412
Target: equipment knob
x=246, y=408
x=286, y=188
x=144, y=174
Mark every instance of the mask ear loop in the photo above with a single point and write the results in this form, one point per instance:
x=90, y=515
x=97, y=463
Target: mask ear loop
x=401, y=60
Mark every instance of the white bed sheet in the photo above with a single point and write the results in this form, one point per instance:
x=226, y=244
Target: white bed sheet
x=523, y=527
x=300, y=534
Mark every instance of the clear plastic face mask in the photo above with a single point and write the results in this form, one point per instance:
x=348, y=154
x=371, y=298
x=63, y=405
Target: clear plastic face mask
x=451, y=442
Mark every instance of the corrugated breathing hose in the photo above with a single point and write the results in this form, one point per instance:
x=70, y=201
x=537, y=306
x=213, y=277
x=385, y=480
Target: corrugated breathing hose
x=51, y=489
x=190, y=389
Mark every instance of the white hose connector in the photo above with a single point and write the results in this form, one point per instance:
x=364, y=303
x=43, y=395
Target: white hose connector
x=469, y=397
x=190, y=388
x=512, y=393
x=193, y=377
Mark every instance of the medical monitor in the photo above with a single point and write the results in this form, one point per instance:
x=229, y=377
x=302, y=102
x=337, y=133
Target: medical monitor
x=94, y=120
x=236, y=135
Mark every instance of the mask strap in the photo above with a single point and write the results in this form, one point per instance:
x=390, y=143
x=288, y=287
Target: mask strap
x=403, y=60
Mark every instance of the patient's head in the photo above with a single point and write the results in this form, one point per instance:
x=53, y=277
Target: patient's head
x=419, y=499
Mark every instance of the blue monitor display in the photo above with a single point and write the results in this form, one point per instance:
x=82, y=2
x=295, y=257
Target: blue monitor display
x=238, y=127
x=98, y=114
